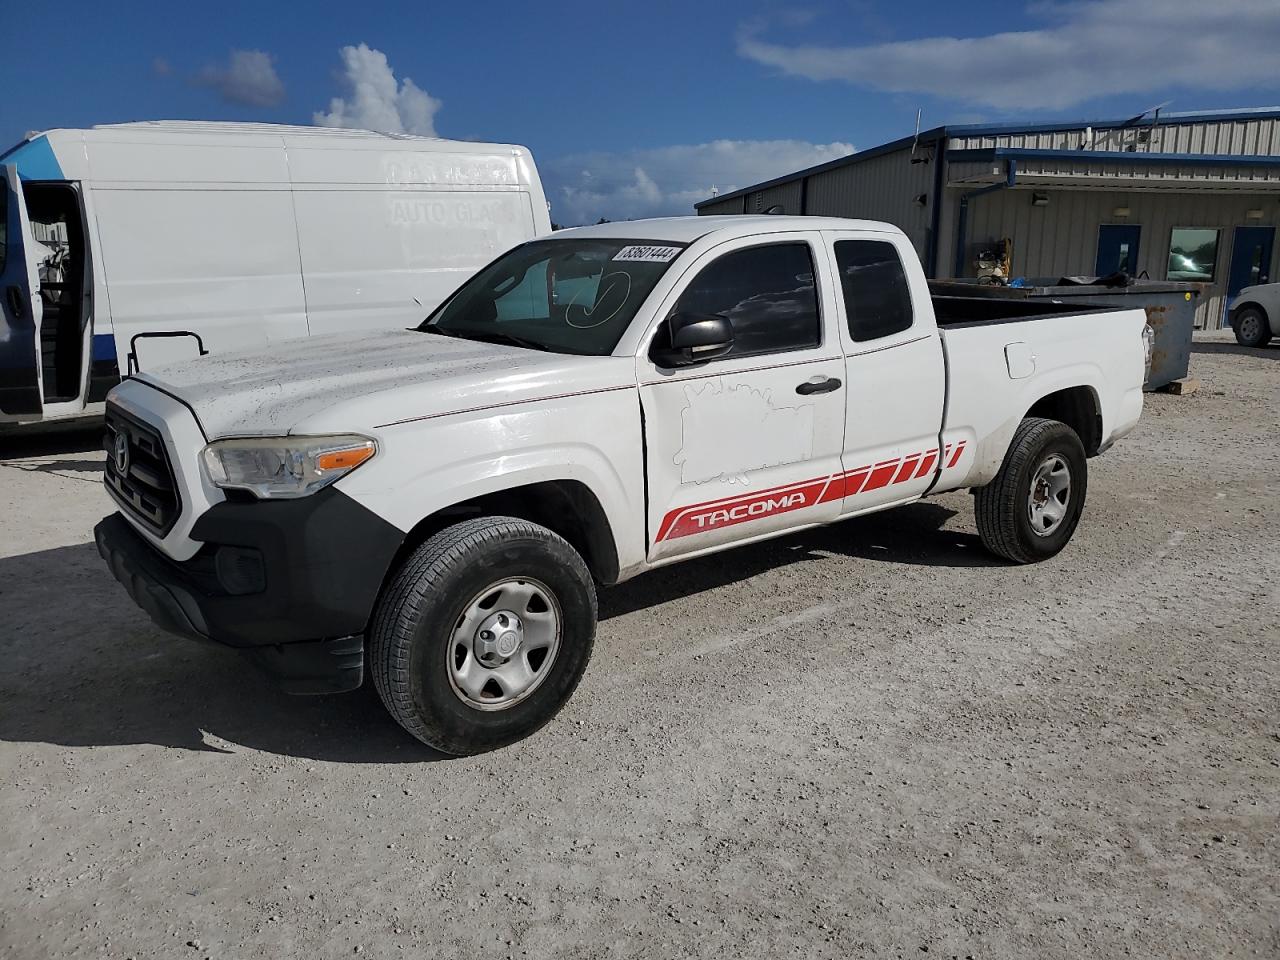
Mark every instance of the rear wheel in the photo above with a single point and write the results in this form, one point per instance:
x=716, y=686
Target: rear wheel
x=483, y=634
x=1030, y=510
x=1252, y=327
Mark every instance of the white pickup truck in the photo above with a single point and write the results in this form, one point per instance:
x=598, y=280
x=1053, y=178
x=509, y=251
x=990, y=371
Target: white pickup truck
x=442, y=501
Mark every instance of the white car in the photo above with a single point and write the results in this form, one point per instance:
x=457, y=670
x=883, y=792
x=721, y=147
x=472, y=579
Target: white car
x=1254, y=314
x=444, y=500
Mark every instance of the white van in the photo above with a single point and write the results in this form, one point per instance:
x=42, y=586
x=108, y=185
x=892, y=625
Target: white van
x=135, y=244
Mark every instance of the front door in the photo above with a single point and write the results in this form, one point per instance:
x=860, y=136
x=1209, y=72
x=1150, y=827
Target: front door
x=747, y=444
x=21, y=386
x=1250, y=258
x=1117, y=249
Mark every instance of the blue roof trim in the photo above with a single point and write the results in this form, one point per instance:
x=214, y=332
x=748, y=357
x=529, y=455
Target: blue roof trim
x=1114, y=156
x=35, y=160
x=1002, y=129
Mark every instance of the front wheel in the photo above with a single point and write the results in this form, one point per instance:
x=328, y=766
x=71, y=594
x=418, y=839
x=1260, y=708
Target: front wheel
x=1252, y=328
x=483, y=634
x=1031, y=508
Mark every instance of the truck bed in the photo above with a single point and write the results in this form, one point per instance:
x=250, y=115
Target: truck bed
x=954, y=311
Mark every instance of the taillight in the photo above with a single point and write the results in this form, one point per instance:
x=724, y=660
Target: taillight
x=1148, y=342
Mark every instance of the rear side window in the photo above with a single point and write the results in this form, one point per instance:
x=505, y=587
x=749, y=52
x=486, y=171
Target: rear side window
x=768, y=293
x=876, y=297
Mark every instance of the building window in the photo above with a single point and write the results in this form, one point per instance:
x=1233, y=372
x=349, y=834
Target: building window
x=1193, y=254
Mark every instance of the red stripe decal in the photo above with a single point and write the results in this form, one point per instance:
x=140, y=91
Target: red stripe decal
x=881, y=475
x=728, y=511
x=835, y=490
x=908, y=465
x=926, y=465
x=853, y=481
x=713, y=516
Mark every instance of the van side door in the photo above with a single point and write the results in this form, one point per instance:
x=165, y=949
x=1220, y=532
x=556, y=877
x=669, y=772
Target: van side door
x=21, y=377
x=748, y=443
x=895, y=371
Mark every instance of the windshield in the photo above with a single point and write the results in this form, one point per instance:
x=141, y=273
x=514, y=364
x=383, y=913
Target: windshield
x=566, y=296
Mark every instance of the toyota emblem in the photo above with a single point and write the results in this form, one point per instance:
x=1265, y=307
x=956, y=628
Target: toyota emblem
x=122, y=454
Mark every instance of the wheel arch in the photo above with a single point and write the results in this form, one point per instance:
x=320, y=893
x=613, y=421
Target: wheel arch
x=1079, y=408
x=1245, y=305
x=568, y=508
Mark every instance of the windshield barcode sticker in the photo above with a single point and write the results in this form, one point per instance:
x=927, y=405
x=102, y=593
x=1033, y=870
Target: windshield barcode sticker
x=647, y=254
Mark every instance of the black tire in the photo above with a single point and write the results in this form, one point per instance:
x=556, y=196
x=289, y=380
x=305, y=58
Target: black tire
x=413, y=631
x=1002, y=506
x=1252, y=328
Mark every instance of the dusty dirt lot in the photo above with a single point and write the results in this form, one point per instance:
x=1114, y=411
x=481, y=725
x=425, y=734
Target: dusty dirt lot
x=868, y=741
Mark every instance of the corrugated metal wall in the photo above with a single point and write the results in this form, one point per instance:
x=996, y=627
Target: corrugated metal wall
x=1256, y=137
x=719, y=208
x=784, y=195
x=881, y=188
x=1189, y=176
x=1061, y=239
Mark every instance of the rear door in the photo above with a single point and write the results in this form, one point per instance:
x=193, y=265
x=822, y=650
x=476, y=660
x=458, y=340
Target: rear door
x=895, y=373
x=747, y=444
x=21, y=388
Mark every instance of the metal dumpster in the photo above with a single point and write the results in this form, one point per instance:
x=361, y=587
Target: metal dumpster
x=1170, y=306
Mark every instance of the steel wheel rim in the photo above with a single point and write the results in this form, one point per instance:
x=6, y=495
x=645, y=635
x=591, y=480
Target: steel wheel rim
x=1249, y=327
x=504, y=643
x=1050, y=495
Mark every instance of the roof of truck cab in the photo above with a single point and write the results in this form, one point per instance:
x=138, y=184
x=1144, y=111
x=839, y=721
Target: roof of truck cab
x=689, y=229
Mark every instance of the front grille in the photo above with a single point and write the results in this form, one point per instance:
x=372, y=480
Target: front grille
x=146, y=487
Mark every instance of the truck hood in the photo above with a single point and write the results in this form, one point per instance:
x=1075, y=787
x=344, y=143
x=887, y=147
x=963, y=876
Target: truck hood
x=355, y=382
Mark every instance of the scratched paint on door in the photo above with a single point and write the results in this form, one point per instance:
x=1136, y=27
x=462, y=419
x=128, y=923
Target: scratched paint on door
x=727, y=431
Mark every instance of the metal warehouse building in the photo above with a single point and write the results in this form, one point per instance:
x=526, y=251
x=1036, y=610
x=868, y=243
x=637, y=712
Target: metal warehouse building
x=1181, y=196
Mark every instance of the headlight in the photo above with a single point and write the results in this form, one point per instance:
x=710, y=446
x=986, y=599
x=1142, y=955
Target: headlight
x=1148, y=341
x=284, y=467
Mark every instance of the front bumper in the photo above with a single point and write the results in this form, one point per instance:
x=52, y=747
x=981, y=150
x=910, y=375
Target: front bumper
x=291, y=583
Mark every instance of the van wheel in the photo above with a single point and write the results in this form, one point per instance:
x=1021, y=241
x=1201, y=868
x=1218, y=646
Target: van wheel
x=1252, y=328
x=1031, y=508
x=483, y=634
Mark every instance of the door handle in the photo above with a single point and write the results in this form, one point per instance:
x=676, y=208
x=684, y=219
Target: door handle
x=818, y=385
x=14, y=293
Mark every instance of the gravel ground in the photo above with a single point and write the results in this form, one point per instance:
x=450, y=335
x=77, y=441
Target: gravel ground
x=871, y=740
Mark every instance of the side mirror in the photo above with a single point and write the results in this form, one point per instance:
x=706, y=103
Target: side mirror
x=693, y=338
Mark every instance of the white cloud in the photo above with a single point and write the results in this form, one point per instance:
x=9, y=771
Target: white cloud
x=666, y=181
x=248, y=78
x=1087, y=49
x=376, y=101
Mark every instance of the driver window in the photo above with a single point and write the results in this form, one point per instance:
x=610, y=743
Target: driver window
x=768, y=293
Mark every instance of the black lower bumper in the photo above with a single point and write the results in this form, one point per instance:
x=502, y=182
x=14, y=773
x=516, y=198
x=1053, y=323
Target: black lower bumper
x=291, y=583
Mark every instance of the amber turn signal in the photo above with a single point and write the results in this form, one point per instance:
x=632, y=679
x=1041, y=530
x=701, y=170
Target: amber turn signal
x=344, y=459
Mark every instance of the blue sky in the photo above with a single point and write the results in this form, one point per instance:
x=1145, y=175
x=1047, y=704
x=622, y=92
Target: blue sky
x=636, y=109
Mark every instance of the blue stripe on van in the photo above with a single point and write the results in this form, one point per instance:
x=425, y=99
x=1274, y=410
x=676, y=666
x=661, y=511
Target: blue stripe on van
x=35, y=160
x=104, y=346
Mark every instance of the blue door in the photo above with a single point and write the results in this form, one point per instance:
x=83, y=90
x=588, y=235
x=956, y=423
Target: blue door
x=1117, y=249
x=1250, y=258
